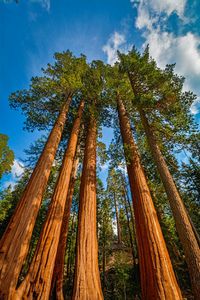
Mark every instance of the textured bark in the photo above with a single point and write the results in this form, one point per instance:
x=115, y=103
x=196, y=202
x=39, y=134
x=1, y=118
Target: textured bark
x=87, y=283
x=104, y=263
x=119, y=231
x=70, y=258
x=129, y=227
x=157, y=276
x=58, y=273
x=131, y=213
x=37, y=283
x=183, y=224
x=16, y=239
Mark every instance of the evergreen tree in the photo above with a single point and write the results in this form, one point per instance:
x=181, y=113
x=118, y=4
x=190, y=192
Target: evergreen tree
x=37, y=282
x=6, y=155
x=158, y=97
x=87, y=283
x=47, y=96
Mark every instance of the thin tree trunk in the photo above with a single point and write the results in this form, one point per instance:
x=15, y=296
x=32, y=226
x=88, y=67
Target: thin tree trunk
x=15, y=242
x=37, y=283
x=129, y=227
x=104, y=264
x=132, y=219
x=87, y=283
x=157, y=276
x=119, y=232
x=128, y=202
x=129, y=208
x=58, y=274
x=69, y=260
x=182, y=221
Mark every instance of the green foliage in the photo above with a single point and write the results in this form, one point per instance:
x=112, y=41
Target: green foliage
x=5, y=203
x=43, y=100
x=6, y=155
x=159, y=93
x=9, y=199
x=138, y=81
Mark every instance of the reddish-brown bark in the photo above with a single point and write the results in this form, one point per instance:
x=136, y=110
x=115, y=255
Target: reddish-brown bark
x=16, y=239
x=58, y=273
x=119, y=231
x=183, y=223
x=157, y=276
x=87, y=283
x=37, y=283
x=71, y=255
x=130, y=208
x=128, y=224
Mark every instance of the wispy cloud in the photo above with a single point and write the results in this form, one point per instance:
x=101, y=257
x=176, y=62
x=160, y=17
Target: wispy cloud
x=150, y=11
x=10, y=183
x=16, y=172
x=117, y=41
x=113, y=44
x=104, y=167
x=166, y=47
x=195, y=108
x=17, y=168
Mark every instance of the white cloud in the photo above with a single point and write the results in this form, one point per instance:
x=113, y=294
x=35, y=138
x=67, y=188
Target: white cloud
x=165, y=47
x=113, y=44
x=10, y=183
x=16, y=172
x=167, y=6
x=17, y=169
x=117, y=41
x=184, y=51
x=104, y=167
x=143, y=19
x=195, y=108
x=149, y=11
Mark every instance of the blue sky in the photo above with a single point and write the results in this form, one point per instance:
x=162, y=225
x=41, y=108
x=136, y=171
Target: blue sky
x=32, y=30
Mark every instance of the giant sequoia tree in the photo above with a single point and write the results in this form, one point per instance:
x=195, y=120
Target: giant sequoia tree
x=153, y=260
x=37, y=282
x=87, y=283
x=47, y=96
x=158, y=96
x=161, y=284
x=145, y=106
x=58, y=274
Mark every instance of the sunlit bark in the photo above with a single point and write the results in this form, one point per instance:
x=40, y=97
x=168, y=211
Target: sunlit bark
x=37, y=283
x=15, y=242
x=182, y=220
x=157, y=276
x=87, y=285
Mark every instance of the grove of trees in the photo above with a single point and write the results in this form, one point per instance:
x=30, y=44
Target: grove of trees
x=67, y=235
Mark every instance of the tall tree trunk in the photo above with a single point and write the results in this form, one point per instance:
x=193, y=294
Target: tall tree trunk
x=132, y=218
x=104, y=263
x=182, y=221
x=37, y=283
x=129, y=227
x=58, y=273
x=129, y=208
x=87, y=283
x=119, y=231
x=157, y=276
x=70, y=258
x=15, y=242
